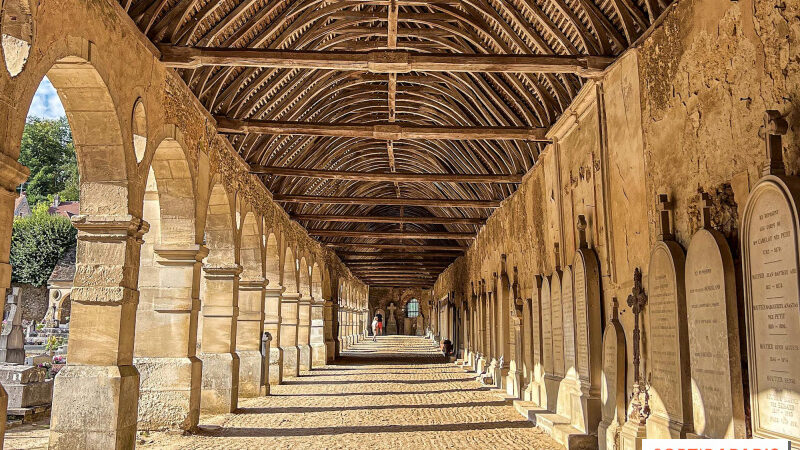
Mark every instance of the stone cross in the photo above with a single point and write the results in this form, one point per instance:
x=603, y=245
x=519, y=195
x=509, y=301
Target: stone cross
x=637, y=301
x=391, y=309
x=774, y=127
x=581, y=226
x=664, y=206
x=705, y=201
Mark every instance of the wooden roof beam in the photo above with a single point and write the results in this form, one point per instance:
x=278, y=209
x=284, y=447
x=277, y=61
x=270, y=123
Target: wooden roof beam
x=406, y=256
x=392, y=234
x=434, y=202
x=414, y=248
x=389, y=219
x=387, y=176
x=390, y=131
x=381, y=61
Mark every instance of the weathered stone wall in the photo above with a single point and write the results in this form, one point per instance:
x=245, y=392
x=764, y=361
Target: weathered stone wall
x=34, y=301
x=380, y=298
x=679, y=114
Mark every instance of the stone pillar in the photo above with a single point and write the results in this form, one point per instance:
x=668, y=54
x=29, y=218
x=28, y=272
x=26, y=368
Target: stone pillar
x=249, y=330
x=350, y=327
x=336, y=313
x=329, y=330
x=304, y=332
x=96, y=395
x=220, y=391
x=289, y=318
x=12, y=174
x=166, y=339
x=272, y=325
x=318, y=338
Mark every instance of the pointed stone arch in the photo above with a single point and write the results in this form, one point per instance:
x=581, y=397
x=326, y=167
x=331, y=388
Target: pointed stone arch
x=250, y=321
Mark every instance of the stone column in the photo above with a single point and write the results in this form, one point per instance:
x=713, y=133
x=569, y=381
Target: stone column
x=304, y=332
x=329, y=330
x=272, y=325
x=12, y=174
x=318, y=338
x=350, y=327
x=220, y=392
x=95, y=397
x=289, y=318
x=249, y=328
x=166, y=339
x=336, y=313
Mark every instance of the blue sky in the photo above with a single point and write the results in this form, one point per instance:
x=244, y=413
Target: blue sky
x=46, y=103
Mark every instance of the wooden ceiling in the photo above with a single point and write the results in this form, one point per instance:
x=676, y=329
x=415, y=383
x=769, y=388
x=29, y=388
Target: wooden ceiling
x=443, y=103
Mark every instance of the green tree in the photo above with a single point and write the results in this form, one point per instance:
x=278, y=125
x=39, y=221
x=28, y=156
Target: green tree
x=37, y=243
x=48, y=151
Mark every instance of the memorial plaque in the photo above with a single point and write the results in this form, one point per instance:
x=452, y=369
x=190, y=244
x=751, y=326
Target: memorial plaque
x=668, y=361
x=536, y=317
x=588, y=316
x=568, y=324
x=717, y=398
x=612, y=382
x=770, y=254
x=547, y=327
x=557, y=323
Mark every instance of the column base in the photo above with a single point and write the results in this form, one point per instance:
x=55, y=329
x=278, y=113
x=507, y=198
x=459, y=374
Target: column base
x=169, y=392
x=305, y=357
x=291, y=361
x=220, y=391
x=251, y=364
x=275, y=365
x=319, y=355
x=94, y=407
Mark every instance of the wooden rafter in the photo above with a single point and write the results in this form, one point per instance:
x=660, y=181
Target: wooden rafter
x=387, y=176
x=407, y=247
x=381, y=61
x=392, y=234
x=438, y=202
x=388, y=131
x=389, y=219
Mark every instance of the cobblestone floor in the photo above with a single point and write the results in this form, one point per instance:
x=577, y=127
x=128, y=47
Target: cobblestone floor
x=396, y=393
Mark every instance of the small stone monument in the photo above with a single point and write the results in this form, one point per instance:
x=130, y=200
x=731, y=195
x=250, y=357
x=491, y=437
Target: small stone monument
x=28, y=389
x=612, y=392
x=635, y=429
x=391, y=322
x=12, y=338
x=420, y=325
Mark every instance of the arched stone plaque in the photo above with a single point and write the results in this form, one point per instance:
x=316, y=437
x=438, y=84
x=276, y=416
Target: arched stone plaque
x=588, y=316
x=770, y=260
x=568, y=323
x=716, y=372
x=612, y=383
x=667, y=338
x=557, y=323
x=547, y=328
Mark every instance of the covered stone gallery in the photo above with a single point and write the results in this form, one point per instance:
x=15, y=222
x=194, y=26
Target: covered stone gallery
x=593, y=201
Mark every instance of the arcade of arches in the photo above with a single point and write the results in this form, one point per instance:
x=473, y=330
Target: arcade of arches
x=594, y=202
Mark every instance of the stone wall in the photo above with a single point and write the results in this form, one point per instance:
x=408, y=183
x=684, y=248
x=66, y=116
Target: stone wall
x=34, y=301
x=380, y=298
x=680, y=113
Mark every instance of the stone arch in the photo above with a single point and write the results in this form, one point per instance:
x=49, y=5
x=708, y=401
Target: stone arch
x=166, y=331
x=272, y=260
x=250, y=253
x=139, y=129
x=220, y=227
x=316, y=282
x=289, y=273
x=96, y=134
x=304, y=278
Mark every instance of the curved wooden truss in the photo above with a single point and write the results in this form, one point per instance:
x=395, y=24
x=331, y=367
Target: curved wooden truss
x=426, y=110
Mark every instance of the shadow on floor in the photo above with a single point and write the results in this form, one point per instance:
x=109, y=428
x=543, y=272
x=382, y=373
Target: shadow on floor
x=315, y=409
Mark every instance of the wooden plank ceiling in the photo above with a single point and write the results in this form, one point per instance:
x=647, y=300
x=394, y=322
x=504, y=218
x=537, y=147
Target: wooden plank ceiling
x=445, y=103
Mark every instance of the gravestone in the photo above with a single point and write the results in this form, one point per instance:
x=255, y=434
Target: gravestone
x=547, y=345
x=612, y=382
x=717, y=396
x=535, y=369
x=391, y=322
x=588, y=331
x=667, y=338
x=568, y=323
x=557, y=322
x=420, y=325
x=12, y=338
x=27, y=387
x=770, y=261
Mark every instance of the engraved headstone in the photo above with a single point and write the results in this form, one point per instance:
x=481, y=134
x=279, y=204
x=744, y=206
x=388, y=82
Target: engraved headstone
x=612, y=383
x=568, y=323
x=557, y=322
x=547, y=344
x=391, y=322
x=667, y=337
x=717, y=397
x=12, y=338
x=770, y=260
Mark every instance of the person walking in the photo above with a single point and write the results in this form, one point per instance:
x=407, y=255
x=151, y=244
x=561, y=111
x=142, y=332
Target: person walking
x=374, y=328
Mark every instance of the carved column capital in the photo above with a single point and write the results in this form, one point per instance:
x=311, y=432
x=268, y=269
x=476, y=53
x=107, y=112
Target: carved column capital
x=180, y=255
x=12, y=173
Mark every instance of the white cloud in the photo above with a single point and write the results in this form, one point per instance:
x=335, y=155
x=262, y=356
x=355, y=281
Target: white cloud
x=46, y=103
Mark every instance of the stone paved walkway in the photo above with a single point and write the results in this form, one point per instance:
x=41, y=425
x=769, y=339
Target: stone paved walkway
x=397, y=393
